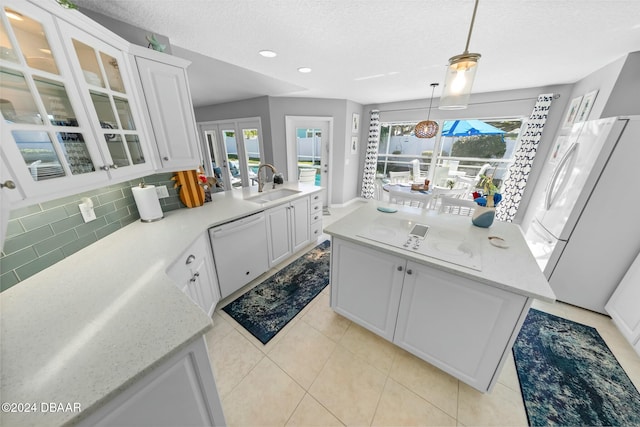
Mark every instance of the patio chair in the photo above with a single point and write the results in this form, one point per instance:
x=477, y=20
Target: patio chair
x=397, y=177
x=456, y=206
x=416, y=200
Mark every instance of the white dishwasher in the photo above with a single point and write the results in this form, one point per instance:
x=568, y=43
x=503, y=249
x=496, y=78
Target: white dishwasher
x=239, y=251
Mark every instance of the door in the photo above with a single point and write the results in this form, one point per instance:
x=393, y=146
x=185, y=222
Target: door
x=233, y=151
x=309, y=147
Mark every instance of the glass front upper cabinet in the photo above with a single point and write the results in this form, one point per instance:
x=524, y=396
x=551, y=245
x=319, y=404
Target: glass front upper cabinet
x=40, y=106
x=102, y=72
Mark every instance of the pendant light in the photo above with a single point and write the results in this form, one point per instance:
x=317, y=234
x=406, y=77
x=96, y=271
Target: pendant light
x=459, y=77
x=427, y=128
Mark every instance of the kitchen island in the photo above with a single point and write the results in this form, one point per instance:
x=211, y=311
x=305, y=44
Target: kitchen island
x=109, y=322
x=456, y=298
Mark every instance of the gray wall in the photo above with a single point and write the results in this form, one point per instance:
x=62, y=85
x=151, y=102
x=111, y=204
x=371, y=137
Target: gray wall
x=625, y=95
x=272, y=113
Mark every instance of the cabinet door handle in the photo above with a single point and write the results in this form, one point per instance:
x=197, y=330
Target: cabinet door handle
x=399, y=268
x=409, y=271
x=165, y=158
x=190, y=259
x=105, y=167
x=8, y=184
x=194, y=277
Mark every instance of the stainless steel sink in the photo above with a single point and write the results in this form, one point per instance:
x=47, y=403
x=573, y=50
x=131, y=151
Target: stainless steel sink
x=270, y=196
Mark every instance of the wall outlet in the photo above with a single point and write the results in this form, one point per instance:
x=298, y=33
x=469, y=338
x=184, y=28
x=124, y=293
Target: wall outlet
x=162, y=192
x=88, y=214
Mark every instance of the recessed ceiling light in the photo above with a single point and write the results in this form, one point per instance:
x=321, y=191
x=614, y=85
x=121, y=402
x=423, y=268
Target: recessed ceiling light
x=268, y=53
x=304, y=69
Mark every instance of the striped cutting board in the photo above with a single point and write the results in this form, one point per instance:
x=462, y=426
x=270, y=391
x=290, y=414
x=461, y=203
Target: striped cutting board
x=191, y=193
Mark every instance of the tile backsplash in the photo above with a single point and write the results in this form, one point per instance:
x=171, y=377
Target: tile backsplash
x=40, y=235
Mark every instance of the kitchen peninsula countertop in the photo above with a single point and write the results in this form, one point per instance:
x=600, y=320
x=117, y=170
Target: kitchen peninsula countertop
x=512, y=268
x=89, y=326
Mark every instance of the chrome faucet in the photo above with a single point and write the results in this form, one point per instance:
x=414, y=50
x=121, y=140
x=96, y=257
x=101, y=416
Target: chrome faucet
x=260, y=182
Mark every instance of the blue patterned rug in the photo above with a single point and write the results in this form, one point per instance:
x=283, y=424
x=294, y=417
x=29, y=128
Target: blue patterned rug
x=267, y=308
x=569, y=377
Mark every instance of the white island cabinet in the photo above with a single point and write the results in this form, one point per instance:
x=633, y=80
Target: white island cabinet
x=462, y=320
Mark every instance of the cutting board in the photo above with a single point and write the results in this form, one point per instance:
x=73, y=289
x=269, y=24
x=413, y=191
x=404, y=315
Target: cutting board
x=191, y=193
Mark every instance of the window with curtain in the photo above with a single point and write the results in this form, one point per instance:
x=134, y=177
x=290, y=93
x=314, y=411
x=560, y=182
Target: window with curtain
x=467, y=144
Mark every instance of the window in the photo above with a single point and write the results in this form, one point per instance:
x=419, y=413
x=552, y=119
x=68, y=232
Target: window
x=463, y=145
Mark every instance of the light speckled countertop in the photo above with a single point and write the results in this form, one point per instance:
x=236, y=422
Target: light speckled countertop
x=87, y=327
x=513, y=269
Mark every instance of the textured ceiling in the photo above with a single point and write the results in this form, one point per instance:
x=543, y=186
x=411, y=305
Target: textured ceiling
x=374, y=51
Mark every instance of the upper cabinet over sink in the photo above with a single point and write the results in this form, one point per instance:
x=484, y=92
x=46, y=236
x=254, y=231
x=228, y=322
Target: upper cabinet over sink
x=74, y=114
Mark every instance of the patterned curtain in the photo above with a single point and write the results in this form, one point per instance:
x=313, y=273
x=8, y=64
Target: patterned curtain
x=371, y=160
x=518, y=174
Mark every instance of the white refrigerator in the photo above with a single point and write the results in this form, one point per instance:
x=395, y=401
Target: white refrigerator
x=586, y=227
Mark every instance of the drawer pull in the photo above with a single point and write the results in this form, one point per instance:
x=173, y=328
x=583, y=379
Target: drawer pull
x=190, y=259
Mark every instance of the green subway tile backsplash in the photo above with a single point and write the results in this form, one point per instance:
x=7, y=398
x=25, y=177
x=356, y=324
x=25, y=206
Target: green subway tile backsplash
x=40, y=235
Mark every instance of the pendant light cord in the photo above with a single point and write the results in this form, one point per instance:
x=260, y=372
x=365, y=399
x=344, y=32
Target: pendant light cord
x=473, y=19
x=433, y=88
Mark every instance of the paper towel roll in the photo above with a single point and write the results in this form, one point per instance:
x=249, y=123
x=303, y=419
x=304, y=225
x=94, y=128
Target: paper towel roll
x=148, y=203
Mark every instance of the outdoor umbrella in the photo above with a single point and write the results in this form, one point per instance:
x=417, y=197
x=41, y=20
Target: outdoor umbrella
x=469, y=128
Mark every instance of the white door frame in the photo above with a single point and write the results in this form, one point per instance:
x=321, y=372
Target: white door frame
x=291, y=123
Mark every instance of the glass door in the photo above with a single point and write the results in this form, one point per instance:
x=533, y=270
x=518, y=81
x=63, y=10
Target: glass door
x=234, y=152
x=250, y=134
x=308, y=147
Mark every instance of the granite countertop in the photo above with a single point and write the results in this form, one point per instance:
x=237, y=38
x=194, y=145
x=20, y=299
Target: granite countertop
x=512, y=268
x=87, y=327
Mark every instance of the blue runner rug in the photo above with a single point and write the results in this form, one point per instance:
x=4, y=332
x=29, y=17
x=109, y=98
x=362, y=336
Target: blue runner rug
x=569, y=377
x=267, y=308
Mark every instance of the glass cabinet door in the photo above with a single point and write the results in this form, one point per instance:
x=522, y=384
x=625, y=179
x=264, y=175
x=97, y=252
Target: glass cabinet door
x=108, y=94
x=42, y=113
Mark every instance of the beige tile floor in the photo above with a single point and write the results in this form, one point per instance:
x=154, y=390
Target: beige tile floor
x=324, y=370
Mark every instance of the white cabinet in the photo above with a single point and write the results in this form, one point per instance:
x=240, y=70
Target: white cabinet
x=315, y=213
x=194, y=274
x=461, y=326
x=623, y=306
x=369, y=288
x=163, y=80
x=9, y=192
x=240, y=252
x=288, y=229
x=180, y=391
x=71, y=119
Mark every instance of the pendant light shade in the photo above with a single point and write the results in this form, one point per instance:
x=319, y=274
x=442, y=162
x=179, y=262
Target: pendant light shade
x=460, y=75
x=427, y=128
